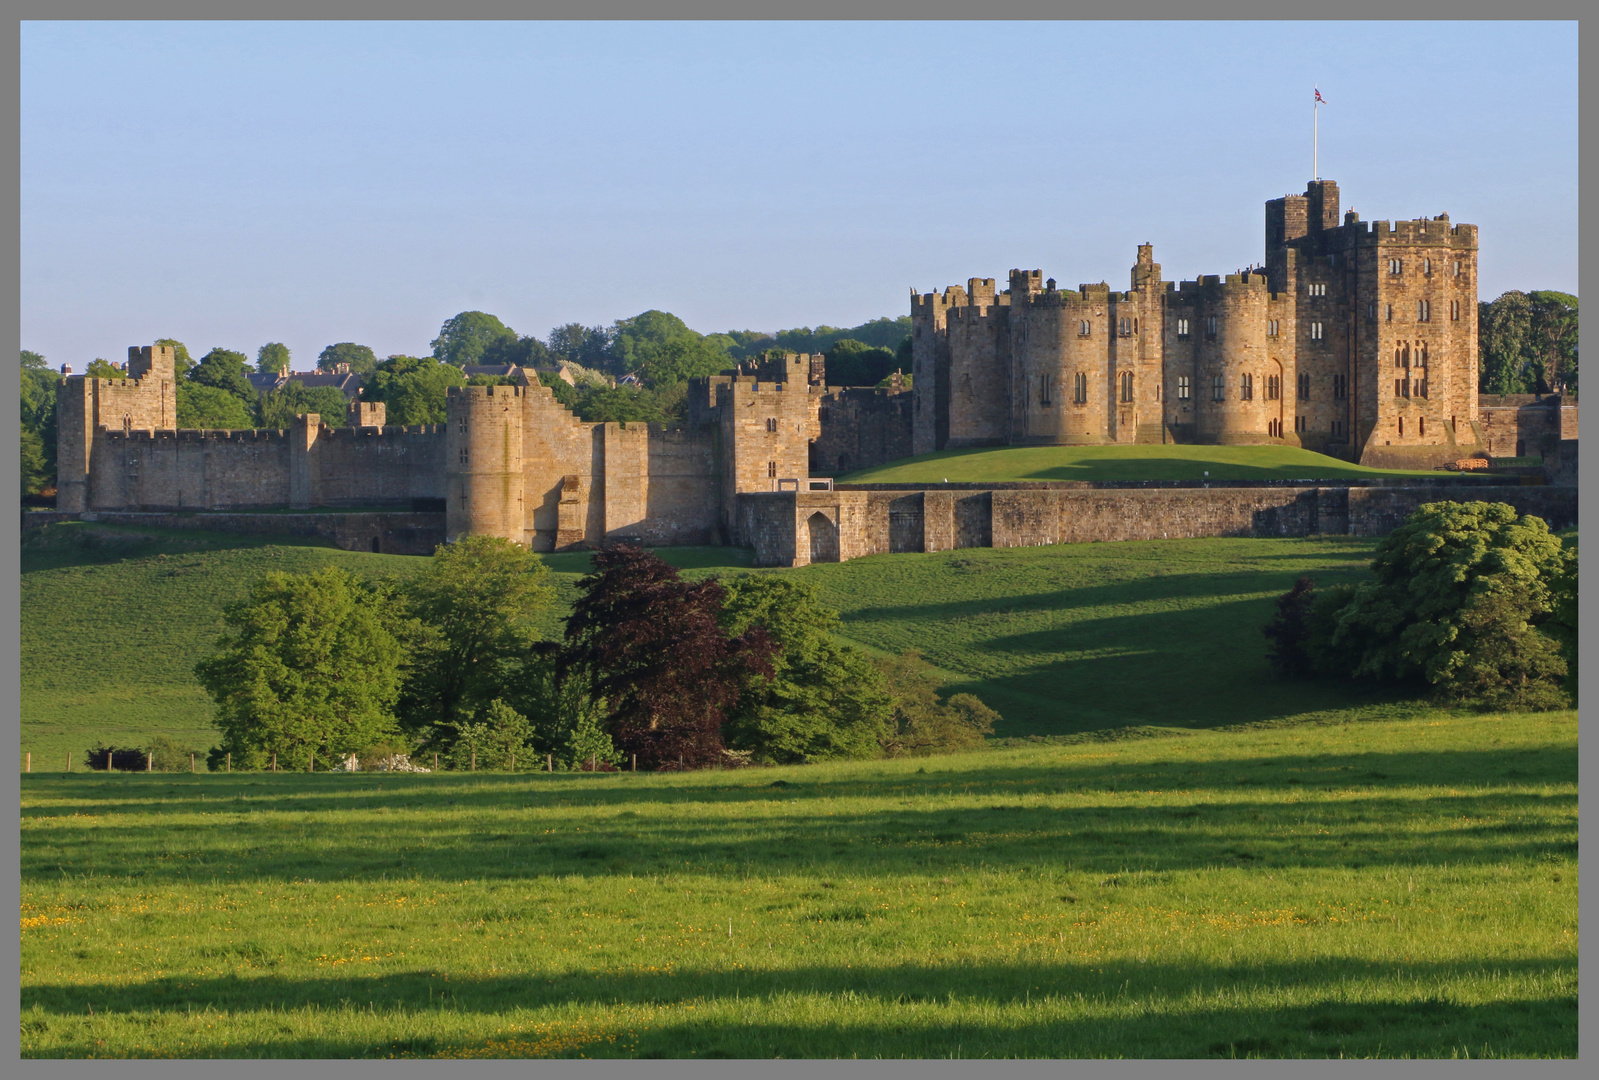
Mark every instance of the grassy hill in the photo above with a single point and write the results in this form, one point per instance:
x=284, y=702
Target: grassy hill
x=1010, y=463
x=1059, y=639
x=1385, y=889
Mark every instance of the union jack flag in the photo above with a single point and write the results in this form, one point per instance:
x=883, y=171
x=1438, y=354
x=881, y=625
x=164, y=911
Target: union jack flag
x=1320, y=98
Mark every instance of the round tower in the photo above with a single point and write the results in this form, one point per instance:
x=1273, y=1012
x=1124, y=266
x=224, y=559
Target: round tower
x=483, y=462
x=1240, y=390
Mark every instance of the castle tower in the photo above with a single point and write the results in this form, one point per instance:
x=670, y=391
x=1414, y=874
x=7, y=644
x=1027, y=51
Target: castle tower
x=483, y=478
x=144, y=401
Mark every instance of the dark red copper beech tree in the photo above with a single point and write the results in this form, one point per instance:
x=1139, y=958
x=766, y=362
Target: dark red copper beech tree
x=652, y=646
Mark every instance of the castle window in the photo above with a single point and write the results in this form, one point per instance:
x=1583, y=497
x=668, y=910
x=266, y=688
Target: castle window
x=1424, y=311
x=1271, y=428
x=1316, y=290
x=1210, y=326
x=1426, y=266
x=1337, y=427
x=1299, y=424
x=1304, y=387
x=1271, y=327
x=1084, y=328
x=1182, y=329
x=1182, y=388
x=771, y=423
x=1080, y=388
x=1127, y=386
x=1393, y=266
x=1246, y=388
x=1371, y=310
x=1457, y=269
x=1043, y=390
x=1421, y=427
x=1421, y=355
x=1340, y=387
x=1218, y=388
x=771, y=469
x=1421, y=389
x=1315, y=331
x=1401, y=427
x=1124, y=327
x=1454, y=311
x=1135, y=324
x=463, y=455
x=1390, y=312
x=1274, y=387
x=460, y=425
x=1401, y=388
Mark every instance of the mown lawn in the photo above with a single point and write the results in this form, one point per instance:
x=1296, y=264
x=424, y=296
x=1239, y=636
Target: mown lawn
x=1059, y=639
x=1010, y=463
x=1393, y=888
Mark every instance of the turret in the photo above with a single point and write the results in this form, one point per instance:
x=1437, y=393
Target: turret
x=483, y=462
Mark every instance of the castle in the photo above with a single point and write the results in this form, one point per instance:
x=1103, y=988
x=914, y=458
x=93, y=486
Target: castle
x=1353, y=339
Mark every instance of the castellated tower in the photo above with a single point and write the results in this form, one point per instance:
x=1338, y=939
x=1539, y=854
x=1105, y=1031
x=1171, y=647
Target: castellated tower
x=483, y=477
x=144, y=401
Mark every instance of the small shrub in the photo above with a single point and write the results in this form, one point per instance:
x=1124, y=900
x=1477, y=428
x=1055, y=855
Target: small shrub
x=1289, y=630
x=100, y=758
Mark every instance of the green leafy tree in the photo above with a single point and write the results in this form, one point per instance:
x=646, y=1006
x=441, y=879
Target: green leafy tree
x=181, y=360
x=279, y=408
x=225, y=370
x=464, y=338
x=37, y=419
x=567, y=717
x=1504, y=344
x=272, y=358
x=104, y=369
x=1552, y=338
x=36, y=471
x=663, y=350
x=823, y=700
x=922, y=722
x=361, y=358
x=308, y=665
x=589, y=346
x=497, y=738
x=522, y=351
x=1439, y=580
x=475, y=603
x=210, y=407
x=854, y=363
x=413, y=389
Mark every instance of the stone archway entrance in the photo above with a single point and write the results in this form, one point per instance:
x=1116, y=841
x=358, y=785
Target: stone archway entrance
x=824, y=538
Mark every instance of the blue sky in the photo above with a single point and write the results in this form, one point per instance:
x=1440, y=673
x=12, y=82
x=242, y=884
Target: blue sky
x=236, y=183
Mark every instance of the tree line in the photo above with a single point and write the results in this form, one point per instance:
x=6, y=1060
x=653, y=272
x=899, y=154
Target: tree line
x=652, y=667
x=1527, y=343
x=633, y=370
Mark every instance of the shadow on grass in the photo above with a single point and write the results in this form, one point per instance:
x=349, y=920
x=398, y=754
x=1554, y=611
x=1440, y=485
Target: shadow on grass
x=1475, y=807
x=915, y=1009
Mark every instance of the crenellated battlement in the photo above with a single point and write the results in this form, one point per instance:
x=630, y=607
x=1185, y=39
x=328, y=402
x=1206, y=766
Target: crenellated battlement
x=1417, y=231
x=222, y=435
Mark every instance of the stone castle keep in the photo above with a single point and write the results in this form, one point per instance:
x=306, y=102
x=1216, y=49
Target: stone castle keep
x=1356, y=340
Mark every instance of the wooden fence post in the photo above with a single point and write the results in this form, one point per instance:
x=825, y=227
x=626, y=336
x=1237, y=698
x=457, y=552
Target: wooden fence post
x=549, y=762
x=435, y=762
x=274, y=761
x=191, y=762
x=635, y=763
x=230, y=761
x=474, y=761
x=69, y=761
x=149, y=761
x=108, y=759
x=513, y=760
x=592, y=766
x=312, y=766
x=30, y=762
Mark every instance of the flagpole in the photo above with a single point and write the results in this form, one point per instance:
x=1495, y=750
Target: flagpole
x=1315, y=139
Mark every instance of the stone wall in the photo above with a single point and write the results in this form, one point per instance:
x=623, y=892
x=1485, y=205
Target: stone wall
x=861, y=427
x=1525, y=425
x=781, y=527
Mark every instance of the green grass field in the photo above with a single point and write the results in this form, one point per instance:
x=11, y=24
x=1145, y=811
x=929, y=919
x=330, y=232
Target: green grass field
x=1401, y=888
x=997, y=465
x=1059, y=639
x=1166, y=853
